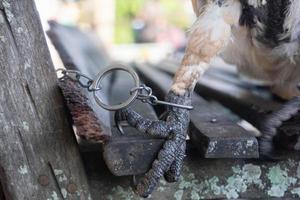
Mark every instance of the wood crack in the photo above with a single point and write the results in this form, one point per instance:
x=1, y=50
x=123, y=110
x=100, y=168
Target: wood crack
x=4, y=194
x=30, y=96
x=55, y=180
x=1, y=6
x=24, y=150
x=3, y=12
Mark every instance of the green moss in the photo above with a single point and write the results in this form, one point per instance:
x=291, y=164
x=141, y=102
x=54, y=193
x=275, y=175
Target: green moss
x=280, y=181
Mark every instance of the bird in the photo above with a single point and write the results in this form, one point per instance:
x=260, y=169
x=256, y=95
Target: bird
x=260, y=37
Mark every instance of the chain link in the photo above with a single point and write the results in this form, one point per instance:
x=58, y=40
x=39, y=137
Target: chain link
x=144, y=93
x=78, y=77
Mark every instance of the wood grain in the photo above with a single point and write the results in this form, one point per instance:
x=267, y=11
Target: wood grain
x=36, y=138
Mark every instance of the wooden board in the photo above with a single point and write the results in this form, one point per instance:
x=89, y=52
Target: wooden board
x=39, y=156
x=208, y=179
x=79, y=51
x=242, y=100
x=249, y=101
x=214, y=130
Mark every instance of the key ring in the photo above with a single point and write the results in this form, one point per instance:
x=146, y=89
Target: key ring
x=140, y=92
x=100, y=76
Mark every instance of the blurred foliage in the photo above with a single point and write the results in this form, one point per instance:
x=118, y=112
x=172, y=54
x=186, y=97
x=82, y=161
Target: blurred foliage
x=175, y=13
x=126, y=11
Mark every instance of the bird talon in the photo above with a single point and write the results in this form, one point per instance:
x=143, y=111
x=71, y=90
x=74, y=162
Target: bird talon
x=120, y=121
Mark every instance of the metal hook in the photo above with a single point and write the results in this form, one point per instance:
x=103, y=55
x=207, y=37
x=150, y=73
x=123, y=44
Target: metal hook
x=120, y=124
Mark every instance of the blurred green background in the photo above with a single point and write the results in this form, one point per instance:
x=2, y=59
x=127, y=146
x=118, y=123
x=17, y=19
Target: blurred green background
x=171, y=10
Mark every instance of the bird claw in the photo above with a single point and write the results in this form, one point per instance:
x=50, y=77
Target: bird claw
x=272, y=123
x=120, y=121
x=173, y=128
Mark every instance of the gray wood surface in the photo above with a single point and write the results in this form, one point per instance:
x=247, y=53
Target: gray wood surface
x=249, y=101
x=39, y=156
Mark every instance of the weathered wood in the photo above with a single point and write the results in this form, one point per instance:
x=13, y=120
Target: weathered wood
x=38, y=153
x=248, y=101
x=210, y=179
x=79, y=51
x=2, y=197
x=241, y=100
x=214, y=130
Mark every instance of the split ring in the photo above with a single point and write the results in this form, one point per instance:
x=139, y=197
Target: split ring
x=103, y=74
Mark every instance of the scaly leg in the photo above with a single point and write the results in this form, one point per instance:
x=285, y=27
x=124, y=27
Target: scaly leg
x=175, y=169
x=273, y=122
x=163, y=162
x=208, y=36
x=154, y=128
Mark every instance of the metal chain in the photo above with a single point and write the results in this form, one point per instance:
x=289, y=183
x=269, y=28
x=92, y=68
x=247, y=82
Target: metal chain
x=78, y=77
x=144, y=93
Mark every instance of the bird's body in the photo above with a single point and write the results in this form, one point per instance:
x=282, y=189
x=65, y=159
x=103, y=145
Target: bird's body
x=265, y=43
x=261, y=37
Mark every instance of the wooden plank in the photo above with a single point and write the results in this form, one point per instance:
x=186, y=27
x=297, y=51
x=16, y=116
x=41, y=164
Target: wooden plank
x=210, y=179
x=242, y=101
x=214, y=129
x=79, y=52
x=249, y=102
x=38, y=153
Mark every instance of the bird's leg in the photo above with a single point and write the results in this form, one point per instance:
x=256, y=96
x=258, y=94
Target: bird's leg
x=173, y=174
x=208, y=36
x=155, y=128
x=163, y=162
x=273, y=122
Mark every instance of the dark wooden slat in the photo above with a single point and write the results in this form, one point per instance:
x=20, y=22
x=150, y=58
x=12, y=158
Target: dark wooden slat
x=251, y=103
x=213, y=130
x=39, y=155
x=208, y=179
x=249, y=106
x=79, y=52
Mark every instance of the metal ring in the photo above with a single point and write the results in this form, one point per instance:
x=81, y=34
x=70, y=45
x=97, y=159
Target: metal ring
x=100, y=77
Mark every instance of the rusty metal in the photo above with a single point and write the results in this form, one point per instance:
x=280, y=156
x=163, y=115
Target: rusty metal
x=86, y=123
x=72, y=188
x=43, y=180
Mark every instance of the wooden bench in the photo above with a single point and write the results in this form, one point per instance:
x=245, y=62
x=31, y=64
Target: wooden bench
x=226, y=157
